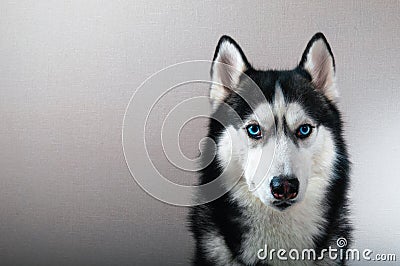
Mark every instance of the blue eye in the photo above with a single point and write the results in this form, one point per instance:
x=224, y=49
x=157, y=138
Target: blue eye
x=254, y=131
x=304, y=131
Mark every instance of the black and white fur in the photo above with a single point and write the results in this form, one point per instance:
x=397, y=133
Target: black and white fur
x=231, y=229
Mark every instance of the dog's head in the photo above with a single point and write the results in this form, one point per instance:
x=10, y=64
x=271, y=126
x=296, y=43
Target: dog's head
x=284, y=128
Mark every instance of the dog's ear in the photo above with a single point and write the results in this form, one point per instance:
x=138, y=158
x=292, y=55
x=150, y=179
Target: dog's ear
x=319, y=62
x=228, y=64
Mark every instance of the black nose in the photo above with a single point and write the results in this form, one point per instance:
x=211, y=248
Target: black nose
x=284, y=187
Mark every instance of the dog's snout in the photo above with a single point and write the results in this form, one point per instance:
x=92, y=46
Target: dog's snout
x=284, y=187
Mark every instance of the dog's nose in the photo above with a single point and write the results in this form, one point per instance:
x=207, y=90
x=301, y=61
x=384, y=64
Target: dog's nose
x=284, y=187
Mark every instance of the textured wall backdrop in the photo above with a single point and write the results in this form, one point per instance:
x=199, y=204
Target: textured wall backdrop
x=69, y=68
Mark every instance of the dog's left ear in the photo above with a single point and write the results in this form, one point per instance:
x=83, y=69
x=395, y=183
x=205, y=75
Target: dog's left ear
x=228, y=65
x=319, y=62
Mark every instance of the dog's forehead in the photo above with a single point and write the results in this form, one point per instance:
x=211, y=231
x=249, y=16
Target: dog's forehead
x=291, y=112
x=279, y=104
x=289, y=98
x=279, y=109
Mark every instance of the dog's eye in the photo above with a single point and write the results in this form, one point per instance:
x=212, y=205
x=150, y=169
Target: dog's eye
x=304, y=131
x=254, y=131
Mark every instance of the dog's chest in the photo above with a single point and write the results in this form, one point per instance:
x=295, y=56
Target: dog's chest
x=270, y=230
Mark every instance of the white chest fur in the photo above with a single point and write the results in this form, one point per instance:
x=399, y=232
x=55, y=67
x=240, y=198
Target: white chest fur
x=293, y=228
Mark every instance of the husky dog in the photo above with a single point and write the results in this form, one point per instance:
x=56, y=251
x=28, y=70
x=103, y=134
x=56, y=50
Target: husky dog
x=297, y=199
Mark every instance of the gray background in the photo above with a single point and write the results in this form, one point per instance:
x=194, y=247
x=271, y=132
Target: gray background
x=69, y=68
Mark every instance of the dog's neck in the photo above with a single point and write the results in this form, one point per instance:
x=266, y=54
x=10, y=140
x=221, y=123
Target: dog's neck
x=293, y=228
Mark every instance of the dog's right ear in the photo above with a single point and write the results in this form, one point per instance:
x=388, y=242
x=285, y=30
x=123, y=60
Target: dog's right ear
x=228, y=64
x=319, y=62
